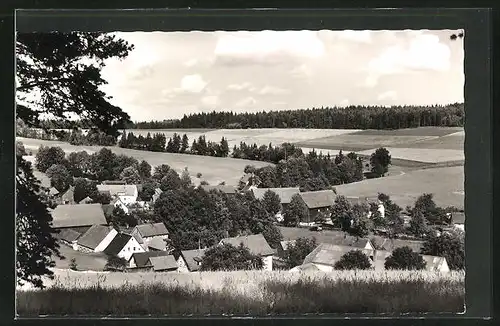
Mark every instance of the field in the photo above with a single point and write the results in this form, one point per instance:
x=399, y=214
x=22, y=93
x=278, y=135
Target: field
x=242, y=292
x=213, y=169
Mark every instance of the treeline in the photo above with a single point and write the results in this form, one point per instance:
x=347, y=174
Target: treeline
x=353, y=117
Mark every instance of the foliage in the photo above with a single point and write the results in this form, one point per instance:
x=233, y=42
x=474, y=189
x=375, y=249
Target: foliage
x=354, y=259
x=404, y=258
x=227, y=257
x=144, y=170
x=272, y=202
x=418, y=225
x=380, y=161
x=186, y=178
x=121, y=219
x=80, y=164
x=60, y=177
x=130, y=175
x=148, y=190
x=115, y=263
x=170, y=181
x=272, y=235
x=392, y=215
x=160, y=172
x=297, y=251
x=48, y=156
x=361, y=224
x=20, y=150
x=295, y=212
x=432, y=213
x=72, y=265
x=341, y=212
x=449, y=245
x=84, y=188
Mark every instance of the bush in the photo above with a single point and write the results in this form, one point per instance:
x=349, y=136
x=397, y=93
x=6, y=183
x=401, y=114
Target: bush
x=354, y=259
x=115, y=263
x=405, y=259
x=227, y=257
x=72, y=265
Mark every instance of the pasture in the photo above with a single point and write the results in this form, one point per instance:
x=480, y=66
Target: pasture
x=213, y=169
x=244, y=292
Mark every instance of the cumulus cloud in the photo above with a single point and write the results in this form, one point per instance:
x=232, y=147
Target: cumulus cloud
x=389, y=95
x=301, y=71
x=191, y=62
x=267, y=47
x=210, y=100
x=239, y=87
x=193, y=83
x=356, y=36
x=272, y=90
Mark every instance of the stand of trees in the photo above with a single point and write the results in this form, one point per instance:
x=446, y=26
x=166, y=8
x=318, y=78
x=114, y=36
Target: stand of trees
x=352, y=117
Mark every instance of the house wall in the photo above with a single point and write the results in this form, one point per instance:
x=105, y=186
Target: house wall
x=106, y=241
x=444, y=268
x=313, y=213
x=182, y=265
x=130, y=248
x=267, y=263
x=324, y=268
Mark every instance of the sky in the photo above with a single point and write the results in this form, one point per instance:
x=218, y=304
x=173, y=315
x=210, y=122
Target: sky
x=169, y=74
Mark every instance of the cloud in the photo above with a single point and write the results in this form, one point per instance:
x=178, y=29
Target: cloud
x=344, y=103
x=248, y=101
x=266, y=47
x=389, y=95
x=423, y=53
x=239, y=87
x=191, y=62
x=356, y=36
x=210, y=101
x=193, y=83
x=272, y=90
x=301, y=71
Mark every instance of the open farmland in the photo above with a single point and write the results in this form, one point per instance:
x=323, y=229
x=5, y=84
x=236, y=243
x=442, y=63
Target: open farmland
x=213, y=169
x=446, y=183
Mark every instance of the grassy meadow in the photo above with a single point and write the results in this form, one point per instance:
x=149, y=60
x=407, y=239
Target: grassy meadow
x=244, y=292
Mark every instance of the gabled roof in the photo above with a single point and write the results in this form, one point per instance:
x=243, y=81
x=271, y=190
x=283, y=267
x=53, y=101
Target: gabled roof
x=246, y=177
x=328, y=254
x=108, y=209
x=94, y=236
x=141, y=259
x=458, y=217
x=190, y=257
x=152, y=229
x=223, y=188
x=285, y=194
x=117, y=244
x=118, y=190
x=114, y=182
x=53, y=191
x=318, y=199
x=86, y=200
x=78, y=215
x=391, y=244
x=286, y=243
x=43, y=178
x=157, y=243
x=161, y=263
x=305, y=268
x=434, y=263
x=353, y=242
x=256, y=243
x=68, y=195
x=68, y=235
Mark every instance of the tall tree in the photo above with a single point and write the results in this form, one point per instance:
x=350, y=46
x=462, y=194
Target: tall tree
x=48, y=156
x=64, y=69
x=130, y=175
x=230, y=258
x=295, y=212
x=160, y=172
x=352, y=260
x=380, y=161
x=60, y=177
x=449, y=245
x=404, y=258
x=184, y=144
x=272, y=202
x=144, y=170
x=186, y=178
x=171, y=181
x=297, y=251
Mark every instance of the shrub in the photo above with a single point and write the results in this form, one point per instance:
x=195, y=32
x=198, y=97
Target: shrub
x=227, y=257
x=354, y=259
x=72, y=265
x=405, y=259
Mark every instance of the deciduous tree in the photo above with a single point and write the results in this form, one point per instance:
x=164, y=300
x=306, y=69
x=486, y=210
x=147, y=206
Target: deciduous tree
x=404, y=258
x=297, y=251
x=230, y=258
x=353, y=260
x=48, y=156
x=60, y=177
x=295, y=212
x=272, y=202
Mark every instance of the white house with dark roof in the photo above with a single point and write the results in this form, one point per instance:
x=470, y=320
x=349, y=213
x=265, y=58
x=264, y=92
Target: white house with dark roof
x=190, y=260
x=127, y=193
x=77, y=216
x=318, y=202
x=68, y=237
x=67, y=197
x=257, y=245
x=117, y=202
x=123, y=246
x=96, y=239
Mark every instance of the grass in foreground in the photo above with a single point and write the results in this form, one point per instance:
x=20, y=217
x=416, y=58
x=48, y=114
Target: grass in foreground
x=264, y=294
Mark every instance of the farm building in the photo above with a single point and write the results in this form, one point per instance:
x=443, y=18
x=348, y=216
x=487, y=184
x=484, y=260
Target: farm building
x=68, y=237
x=96, y=239
x=257, y=245
x=114, y=182
x=318, y=202
x=43, y=178
x=391, y=244
x=228, y=190
x=156, y=243
x=190, y=260
x=458, y=220
x=150, y=234
x=326, y=255
x=81, y=216
x=141, y=260
x=67, y=197
x=123, y=246
x=127, y=193
x=164, y=263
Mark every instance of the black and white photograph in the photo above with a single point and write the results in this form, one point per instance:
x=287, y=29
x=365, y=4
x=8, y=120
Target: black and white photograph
x=272, y=172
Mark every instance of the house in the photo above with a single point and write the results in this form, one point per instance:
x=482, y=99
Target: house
x=150, y=232
x=285, y=195
x=458, y=220
x=117, y=202
x=257, y=245
x=156, y=243
x=164, y=263
x=67, y=197
x=86, y=200
x=123, y=246
x=96, y=239
x=68, y=237
x=141, y=260
x=326, y=255
x=318, y=202
x=228, y=190
x=156, y=195
x=436, y=264
x=127, y=193
x=367, y=201
x=190, y=260
x=80, y=217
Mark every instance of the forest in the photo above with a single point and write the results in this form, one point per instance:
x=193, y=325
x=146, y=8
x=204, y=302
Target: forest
x=352, y=117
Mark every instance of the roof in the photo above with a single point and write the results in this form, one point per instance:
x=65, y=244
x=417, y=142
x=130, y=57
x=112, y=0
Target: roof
x=391, y=244
x=286, y=243
x=77, y=215
x=246, y=177
x=328, y=254
x=353, y=242
x=157, y=243
x=224, y=188
x=108, y=209
x=114, y=182
x=305, y=268
x=285, y=194
x=68, y=235
x=117, y=244
x=152, y=229
x=161, y=263
x=357, y=200
x=458, y=217
x=434, y=263
x=118, y=190
x=318, y=199
x=53, y=191
x=69, y=194
x=86, y=200
x=94, y=236
x=379, y=258
x=43, y=178
x=256, y=243
x=189, y=257
x=142, y=258
x=158, y=191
